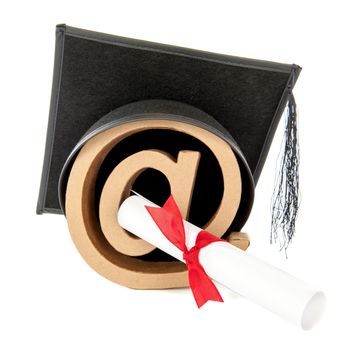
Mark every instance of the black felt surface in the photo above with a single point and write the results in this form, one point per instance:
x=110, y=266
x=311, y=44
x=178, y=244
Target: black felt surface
x=96, y=73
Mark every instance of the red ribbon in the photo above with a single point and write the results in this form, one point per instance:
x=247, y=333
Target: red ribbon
x=170, y=222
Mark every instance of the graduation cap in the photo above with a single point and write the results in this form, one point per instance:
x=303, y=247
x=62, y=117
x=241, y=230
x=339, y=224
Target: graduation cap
x=101, y=81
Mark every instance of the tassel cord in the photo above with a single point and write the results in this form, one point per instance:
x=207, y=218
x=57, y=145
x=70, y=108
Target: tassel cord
x=285, y=200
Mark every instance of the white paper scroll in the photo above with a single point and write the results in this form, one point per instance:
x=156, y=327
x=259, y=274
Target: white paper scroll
x=268, y=286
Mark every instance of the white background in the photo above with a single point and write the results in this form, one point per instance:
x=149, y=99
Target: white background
x=51, y=299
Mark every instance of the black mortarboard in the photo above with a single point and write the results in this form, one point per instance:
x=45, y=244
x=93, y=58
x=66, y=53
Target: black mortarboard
x=97, y=73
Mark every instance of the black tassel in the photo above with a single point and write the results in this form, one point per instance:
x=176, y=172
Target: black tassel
x=285, y=200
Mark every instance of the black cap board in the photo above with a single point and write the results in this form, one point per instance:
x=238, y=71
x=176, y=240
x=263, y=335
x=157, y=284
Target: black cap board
x=96, y=73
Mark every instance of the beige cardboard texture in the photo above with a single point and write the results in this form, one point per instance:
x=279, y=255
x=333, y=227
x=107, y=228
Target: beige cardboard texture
x=112, y=251
x=181, y=175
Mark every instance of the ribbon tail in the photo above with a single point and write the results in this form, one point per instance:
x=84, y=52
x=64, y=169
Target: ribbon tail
x=202, y=286
x=169, y=221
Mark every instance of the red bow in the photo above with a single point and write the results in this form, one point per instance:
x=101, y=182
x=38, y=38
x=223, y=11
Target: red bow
x=170, y=222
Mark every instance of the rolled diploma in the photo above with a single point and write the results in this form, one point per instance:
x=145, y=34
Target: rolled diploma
x=266, y=285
